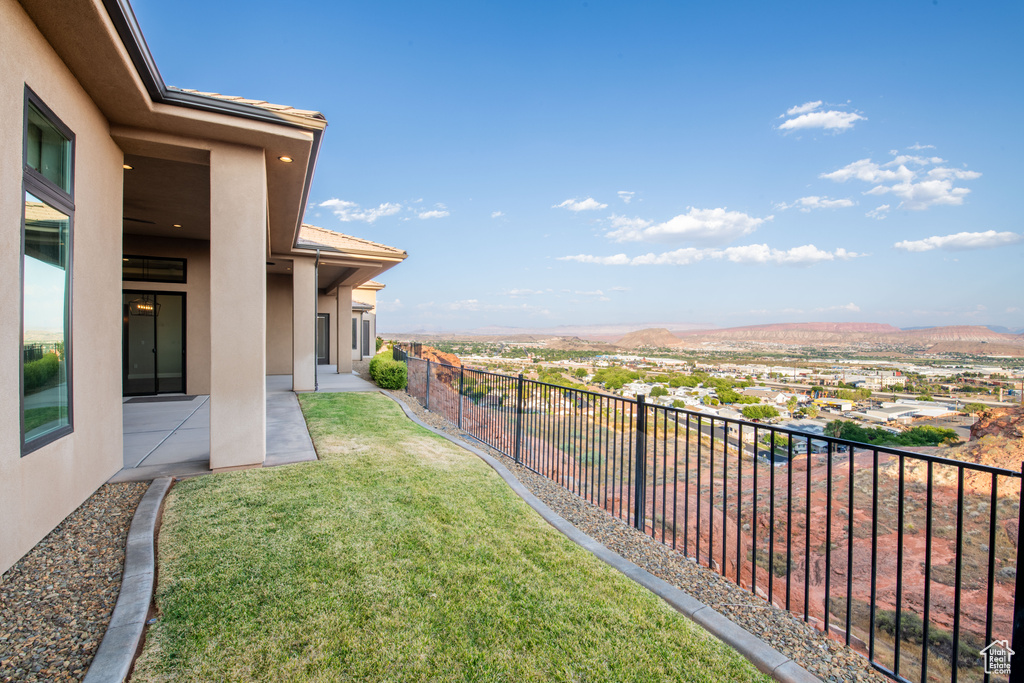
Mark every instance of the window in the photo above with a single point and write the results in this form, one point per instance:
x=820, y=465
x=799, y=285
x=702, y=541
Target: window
x=152, y=269
x=355, y=334
x=46, y=240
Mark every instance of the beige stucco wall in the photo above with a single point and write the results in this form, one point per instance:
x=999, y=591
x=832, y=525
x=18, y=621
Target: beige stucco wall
x=197, y=299
x=37, y=491
x=279, y=324
x=365, y=296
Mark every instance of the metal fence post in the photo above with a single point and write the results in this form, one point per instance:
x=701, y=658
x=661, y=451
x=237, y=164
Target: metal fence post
x=640, y=471
x=1017, y=636
x=427, y=399
x=462, y=377
x=519, y=415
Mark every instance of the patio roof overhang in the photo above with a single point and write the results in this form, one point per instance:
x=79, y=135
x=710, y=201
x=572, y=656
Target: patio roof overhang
x=175, y=127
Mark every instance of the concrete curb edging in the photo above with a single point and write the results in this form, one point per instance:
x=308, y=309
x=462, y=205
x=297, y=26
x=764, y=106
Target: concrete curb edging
x=767, y=659
x=114, y=657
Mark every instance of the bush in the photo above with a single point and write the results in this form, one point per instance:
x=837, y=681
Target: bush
x=380, y=343
x=387, y=372
x=38, y=373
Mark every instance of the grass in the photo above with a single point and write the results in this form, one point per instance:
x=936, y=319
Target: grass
x=396, y=557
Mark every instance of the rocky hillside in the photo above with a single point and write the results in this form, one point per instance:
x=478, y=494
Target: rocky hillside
x=997, y=438
x=655, y=337
x=797, y=333
x=963, y=338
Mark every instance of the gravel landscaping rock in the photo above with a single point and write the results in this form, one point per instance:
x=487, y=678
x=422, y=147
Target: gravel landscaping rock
x=810, y=648
x=56, y=602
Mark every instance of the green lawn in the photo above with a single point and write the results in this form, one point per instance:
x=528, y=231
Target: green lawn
x=397, y=557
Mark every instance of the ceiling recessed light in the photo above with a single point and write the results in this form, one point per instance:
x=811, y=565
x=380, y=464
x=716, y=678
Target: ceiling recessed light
x=287, y=268
x=127, y=167
x=286, y=159
x=176, y=225
x=124, y=259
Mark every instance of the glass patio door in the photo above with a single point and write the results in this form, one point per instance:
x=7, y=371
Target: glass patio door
x=154, y=343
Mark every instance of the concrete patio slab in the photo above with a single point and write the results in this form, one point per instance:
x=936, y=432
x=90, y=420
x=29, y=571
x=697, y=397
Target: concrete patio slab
x=172, y=438
x=330, y=381
x=182, y=445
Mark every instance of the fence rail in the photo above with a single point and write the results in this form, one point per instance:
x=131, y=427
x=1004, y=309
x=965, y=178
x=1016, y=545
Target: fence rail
x=909, y=558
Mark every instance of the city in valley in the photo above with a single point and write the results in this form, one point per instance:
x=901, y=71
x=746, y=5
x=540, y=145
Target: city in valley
x=847, y=472
x=801, y=376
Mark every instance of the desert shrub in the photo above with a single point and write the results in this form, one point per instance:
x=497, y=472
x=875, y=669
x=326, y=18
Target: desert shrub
x=387, y=372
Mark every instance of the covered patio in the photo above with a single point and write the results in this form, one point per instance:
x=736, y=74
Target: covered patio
x=169, y=435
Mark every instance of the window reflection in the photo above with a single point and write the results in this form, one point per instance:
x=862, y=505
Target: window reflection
x=47, y=150
x=44, y=318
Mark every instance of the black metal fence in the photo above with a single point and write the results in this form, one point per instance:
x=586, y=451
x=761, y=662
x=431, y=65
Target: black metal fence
x=909, y=558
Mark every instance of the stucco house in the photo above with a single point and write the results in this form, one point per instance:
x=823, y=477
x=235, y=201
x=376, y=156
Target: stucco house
x=152, y=241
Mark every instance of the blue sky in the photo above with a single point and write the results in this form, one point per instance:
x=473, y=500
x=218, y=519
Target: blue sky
x=555, y=163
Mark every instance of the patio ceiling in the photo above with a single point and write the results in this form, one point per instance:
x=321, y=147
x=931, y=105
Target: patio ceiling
x=161, y=194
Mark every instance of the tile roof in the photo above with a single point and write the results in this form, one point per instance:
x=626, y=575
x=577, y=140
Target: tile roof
x=276, y=108
x=311, y=237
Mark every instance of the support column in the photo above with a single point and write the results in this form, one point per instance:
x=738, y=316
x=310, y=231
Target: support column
x=304, y=299
x=344, y=329
x=238, y=326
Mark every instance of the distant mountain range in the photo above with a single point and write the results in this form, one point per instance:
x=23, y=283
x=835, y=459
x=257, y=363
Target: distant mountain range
x=965, y=339
x=976, y=339
x=592, y=332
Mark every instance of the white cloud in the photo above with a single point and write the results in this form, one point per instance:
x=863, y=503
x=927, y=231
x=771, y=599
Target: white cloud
x=477, y=306
x=807, y=204
x=879, y=212
x=903, y=159
x=385, y=305
x=805, y=255
x=626, y=196
x=618, y=289
x=803, y=108
x=497, y=214
x=625, y=225
x=962, y=240
x=350, y=211
x=617, y=260
x=701, y=225
x=588, y=204
x=869, y=172
x=810, y=115
x=918, y=147
x=919, y=196
x=521, y=293
x=916, y=189
x=850, y=307
x=434, y=213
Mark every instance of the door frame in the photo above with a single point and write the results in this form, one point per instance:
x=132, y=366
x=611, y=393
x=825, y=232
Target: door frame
x=184, y=342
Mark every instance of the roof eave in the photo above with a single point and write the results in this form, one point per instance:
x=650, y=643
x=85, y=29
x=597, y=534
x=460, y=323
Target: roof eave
x=128, y=29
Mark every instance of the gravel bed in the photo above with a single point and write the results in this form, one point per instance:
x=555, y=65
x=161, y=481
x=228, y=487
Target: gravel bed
x=56, y=602
x=810, y=648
